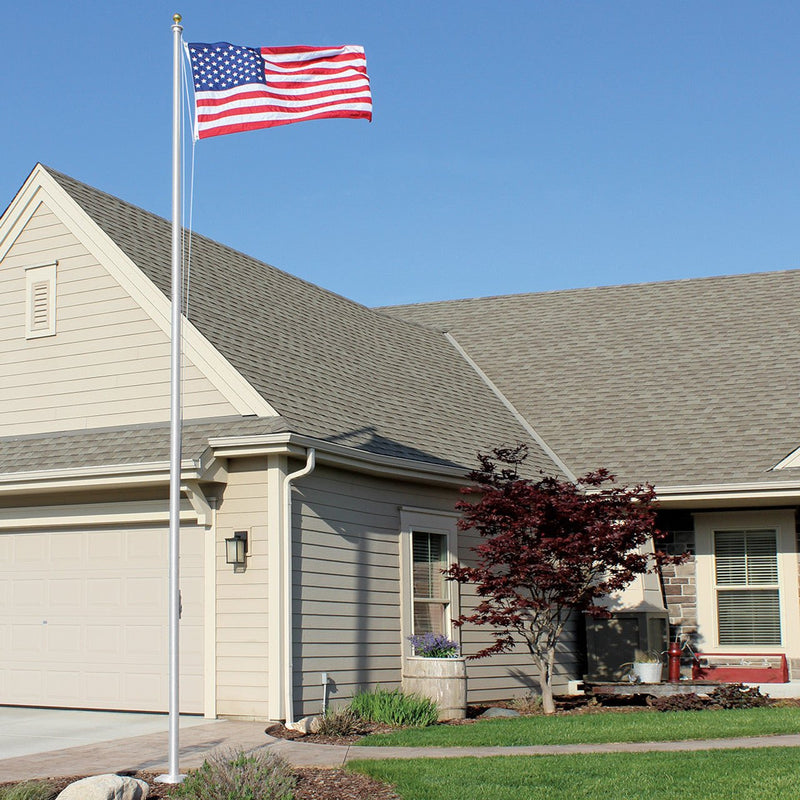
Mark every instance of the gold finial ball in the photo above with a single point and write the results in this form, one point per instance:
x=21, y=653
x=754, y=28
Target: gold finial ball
x=176, y=18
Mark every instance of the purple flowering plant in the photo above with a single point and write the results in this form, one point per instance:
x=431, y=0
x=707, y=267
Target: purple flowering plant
x=434, y=645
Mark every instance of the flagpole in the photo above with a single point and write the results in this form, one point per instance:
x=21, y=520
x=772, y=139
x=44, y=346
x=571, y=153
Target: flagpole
x=174, y=775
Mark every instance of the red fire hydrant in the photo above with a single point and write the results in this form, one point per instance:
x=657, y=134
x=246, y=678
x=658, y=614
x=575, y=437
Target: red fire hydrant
x=674, y=653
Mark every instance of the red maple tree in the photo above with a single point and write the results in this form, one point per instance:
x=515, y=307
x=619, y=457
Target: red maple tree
x=551, y=548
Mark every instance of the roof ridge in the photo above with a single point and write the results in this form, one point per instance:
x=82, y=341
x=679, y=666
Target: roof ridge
x=588, y=289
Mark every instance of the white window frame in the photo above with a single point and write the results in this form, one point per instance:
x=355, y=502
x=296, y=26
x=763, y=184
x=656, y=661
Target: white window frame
x=36, y=274
x=783, y=523
x=423, y=520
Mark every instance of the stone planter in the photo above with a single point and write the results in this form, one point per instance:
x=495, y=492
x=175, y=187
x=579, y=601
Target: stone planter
x=443, y=680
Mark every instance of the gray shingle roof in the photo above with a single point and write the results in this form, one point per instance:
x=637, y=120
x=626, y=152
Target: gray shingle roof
x=332, y=368
x=684, y=382
x=138, y=444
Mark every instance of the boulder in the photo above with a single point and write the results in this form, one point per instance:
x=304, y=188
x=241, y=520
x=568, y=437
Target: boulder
x=305, y=725
x=499, y=712
x=106, y=787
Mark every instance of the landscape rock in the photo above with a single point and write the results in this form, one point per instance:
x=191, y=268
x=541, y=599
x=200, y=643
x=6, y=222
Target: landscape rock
x=106, y=787
x=305, y=725
x=315, y=724
x=499, y=712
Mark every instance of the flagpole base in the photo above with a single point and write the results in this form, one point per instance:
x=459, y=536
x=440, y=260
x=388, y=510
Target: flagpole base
x=170, y=779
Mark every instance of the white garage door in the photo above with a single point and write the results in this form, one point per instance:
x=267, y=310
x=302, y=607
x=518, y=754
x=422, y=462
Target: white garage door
x=83, y=618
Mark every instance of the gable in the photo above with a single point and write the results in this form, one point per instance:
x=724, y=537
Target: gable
x=107, y=362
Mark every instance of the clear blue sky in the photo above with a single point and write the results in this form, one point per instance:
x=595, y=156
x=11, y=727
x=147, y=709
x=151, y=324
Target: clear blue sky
x=515, y=147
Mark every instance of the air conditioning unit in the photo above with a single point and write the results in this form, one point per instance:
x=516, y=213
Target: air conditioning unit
x=612, y=643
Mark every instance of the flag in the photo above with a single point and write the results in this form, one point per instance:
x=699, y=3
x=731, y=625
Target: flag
x=243, y=88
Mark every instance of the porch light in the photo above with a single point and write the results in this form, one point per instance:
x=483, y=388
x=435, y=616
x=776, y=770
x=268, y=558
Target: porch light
x=236, y=549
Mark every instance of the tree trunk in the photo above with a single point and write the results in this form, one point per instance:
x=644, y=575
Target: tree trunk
x=545, y=682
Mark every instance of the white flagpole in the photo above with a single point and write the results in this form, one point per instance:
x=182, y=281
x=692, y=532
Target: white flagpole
x=174, y=775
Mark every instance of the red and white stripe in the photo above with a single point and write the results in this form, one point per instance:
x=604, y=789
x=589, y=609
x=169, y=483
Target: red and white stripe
x=302, y=83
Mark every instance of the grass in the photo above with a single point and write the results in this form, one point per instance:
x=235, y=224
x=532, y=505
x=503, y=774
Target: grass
x=637, y=726
x=768, y=774
x=394, y=708
x=28, y=790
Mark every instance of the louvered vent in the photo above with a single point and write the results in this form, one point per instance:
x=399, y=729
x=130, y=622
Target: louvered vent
x=748, y=596
x=40, y=301
x=40, y=306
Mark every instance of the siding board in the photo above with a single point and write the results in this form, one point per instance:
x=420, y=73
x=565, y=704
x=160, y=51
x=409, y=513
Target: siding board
x=99, y=369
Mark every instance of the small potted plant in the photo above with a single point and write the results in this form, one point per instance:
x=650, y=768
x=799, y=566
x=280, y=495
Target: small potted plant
x=647, y=666
x=437, y=671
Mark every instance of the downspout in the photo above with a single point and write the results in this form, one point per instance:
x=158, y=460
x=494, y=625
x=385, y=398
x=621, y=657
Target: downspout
x=288, y=676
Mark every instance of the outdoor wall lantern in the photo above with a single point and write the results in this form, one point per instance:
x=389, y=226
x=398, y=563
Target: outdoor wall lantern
x=236, y=549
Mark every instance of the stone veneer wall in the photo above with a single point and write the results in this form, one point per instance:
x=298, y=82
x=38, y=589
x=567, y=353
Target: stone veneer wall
x=679, y=581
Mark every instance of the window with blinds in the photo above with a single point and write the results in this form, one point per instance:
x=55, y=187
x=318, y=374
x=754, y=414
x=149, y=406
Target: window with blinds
x=429, y=558
x=748, y=594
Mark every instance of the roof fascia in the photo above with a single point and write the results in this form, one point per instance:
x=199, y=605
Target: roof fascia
x=96, y=477
x=336, y=455
x=41, y=187
x=792, y=460
x=731, y=493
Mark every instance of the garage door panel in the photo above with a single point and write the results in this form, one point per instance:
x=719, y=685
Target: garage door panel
x=64, y=592
x=84, y=622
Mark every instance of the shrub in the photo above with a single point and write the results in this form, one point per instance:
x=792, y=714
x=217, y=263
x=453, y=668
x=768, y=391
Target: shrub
x=394, y=708
x=678, y=702
x=529, y=704
x=340, y=722
x=737, y=695
x=236, y=775
x=28, y=790
x=434, y=645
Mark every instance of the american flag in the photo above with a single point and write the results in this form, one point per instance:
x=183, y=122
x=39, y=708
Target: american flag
x=242, y=88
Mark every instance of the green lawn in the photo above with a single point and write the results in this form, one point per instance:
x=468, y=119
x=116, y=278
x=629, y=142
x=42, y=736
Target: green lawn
x=638, y=726
x=768, y=774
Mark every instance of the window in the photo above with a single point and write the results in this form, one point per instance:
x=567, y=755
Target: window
x=748, y=595
x=428, y=602
x=40, y=301
x=747, y=581
x=429, y=587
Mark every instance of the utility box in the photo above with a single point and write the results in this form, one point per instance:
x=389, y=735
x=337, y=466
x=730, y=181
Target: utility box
x=610, y=643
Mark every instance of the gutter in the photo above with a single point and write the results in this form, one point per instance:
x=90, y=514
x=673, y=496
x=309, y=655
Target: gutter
x=288, y=622
x=334, y=454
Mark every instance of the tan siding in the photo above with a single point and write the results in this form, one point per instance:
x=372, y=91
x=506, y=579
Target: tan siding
x=108, y=363
x=242, y=613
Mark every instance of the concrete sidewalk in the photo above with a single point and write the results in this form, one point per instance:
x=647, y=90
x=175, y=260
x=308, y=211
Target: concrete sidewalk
x=149, y=752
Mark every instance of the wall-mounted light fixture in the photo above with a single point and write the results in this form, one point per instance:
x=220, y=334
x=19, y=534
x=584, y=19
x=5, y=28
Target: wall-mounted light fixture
x=236, y=549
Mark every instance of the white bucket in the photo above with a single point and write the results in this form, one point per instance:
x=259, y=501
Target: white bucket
x=646, y=672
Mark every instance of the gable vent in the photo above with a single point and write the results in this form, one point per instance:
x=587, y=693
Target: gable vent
x=40, y=301
x=40, y=306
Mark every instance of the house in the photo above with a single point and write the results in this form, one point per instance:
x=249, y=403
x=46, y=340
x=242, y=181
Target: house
x=335, y=439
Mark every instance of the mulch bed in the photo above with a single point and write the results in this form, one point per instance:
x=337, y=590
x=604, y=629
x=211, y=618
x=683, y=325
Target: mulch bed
x=364, y=729
x=312, y=784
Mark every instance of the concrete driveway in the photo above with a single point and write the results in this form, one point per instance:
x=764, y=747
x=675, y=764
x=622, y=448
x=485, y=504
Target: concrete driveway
x=27, y=731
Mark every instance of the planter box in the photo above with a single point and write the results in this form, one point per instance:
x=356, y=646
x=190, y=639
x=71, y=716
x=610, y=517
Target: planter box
x=647, y=672
x=443, y=680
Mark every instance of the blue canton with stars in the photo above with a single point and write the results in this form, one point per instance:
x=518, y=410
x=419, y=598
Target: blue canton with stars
x=220, y=66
